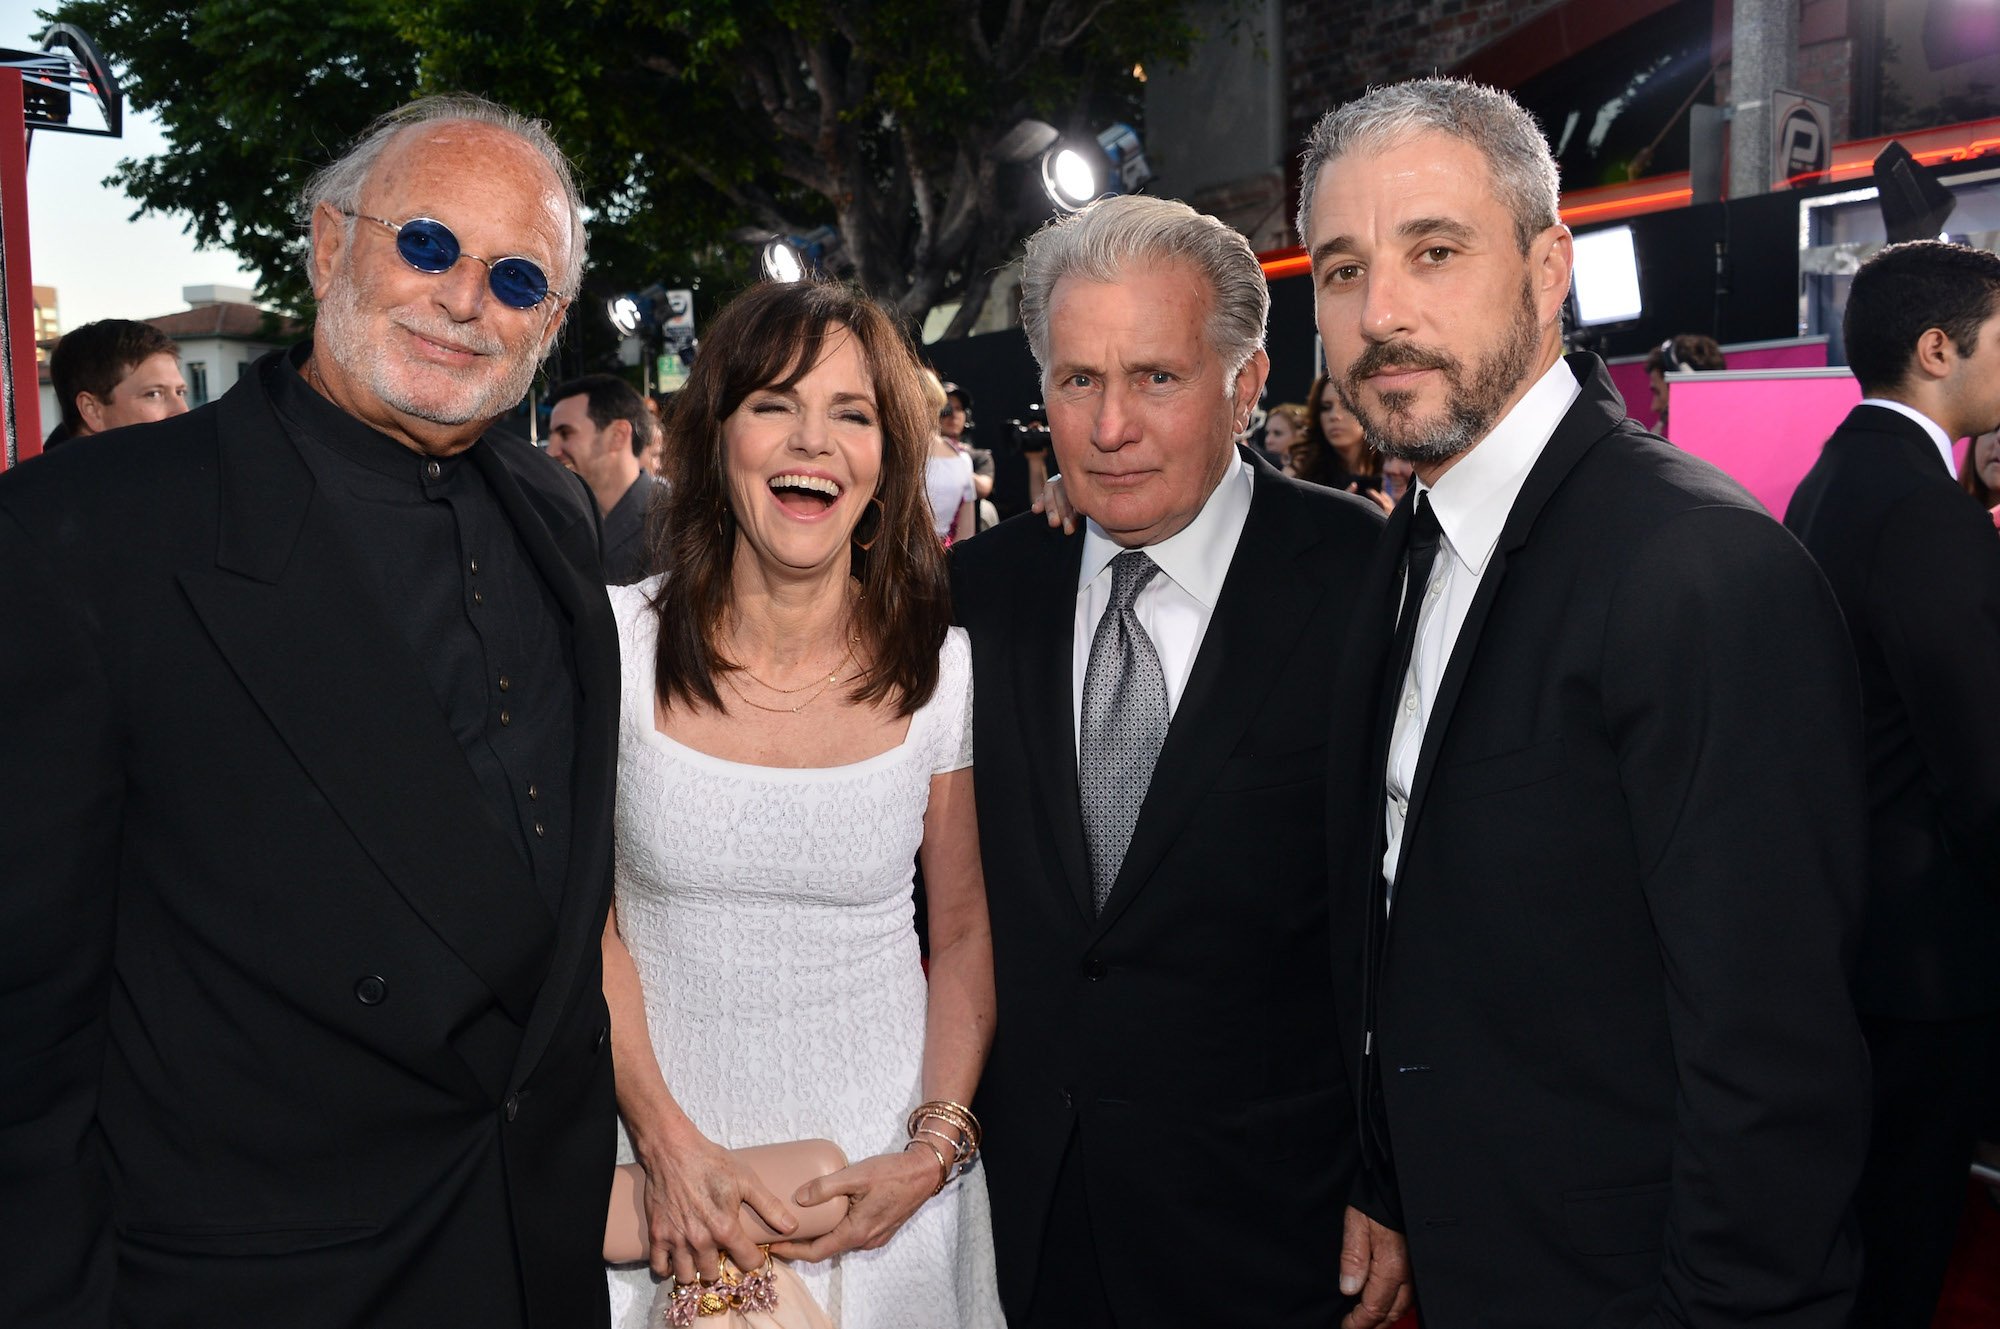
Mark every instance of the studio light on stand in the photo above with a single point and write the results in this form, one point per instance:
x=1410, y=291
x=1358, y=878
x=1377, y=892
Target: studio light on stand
x=624, y=313
x=1076, y=172
x=782, y=260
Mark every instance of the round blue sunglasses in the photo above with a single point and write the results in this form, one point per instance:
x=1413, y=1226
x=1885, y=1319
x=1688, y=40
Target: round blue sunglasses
x=428, y=245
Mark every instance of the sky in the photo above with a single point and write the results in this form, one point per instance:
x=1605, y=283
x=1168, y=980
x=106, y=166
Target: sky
x=79, y=240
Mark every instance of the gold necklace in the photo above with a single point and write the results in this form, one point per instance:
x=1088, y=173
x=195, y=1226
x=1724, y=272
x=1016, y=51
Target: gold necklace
x=851, y=642
x=831, y=679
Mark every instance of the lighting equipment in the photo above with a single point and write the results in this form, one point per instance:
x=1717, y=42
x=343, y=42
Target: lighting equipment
x=624, y=313
x=1073, y=173
x=1914, y=205
x=782, y=259
x=1606, y=277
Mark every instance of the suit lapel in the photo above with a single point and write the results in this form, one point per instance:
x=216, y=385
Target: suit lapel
x=285, y=609
x=1264, y=605
x=1045, y=702
x=1597, y=410
x=594, y=645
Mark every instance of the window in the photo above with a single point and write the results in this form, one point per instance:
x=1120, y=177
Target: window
x=197, y=381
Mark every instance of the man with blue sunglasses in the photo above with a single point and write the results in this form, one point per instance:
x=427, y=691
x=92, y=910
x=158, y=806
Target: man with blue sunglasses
x=316, y=689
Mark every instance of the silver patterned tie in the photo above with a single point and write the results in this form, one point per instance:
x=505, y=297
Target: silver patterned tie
x=1124, y=723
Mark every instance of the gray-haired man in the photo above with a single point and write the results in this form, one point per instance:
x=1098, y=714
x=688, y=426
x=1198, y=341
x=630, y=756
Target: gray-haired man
x=316, y=688
x=1168, y=1111
x=1599, y=808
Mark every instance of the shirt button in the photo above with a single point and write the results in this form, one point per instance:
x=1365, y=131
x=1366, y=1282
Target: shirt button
x=503, y=683
x=474, y=565
x=540, y=831
x=1410, y=702
x=478, y=599
x=534, y=791
x=433, y=470
x=506, y=717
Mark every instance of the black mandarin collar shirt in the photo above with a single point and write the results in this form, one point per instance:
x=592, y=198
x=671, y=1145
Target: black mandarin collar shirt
x=436, y=547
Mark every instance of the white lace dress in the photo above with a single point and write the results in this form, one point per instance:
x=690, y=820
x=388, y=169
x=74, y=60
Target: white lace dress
x=768, y=911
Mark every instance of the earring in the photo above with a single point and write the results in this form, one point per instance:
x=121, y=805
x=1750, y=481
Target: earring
x=881, y=514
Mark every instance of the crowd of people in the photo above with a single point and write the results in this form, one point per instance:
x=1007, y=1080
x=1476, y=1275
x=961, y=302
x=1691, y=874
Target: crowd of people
x=1495, y=867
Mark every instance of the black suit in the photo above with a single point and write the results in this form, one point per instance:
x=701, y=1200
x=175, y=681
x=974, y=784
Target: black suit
x=1613, y=1059
x=1916, y=567
x=1181, y=1047
x=289, y=1036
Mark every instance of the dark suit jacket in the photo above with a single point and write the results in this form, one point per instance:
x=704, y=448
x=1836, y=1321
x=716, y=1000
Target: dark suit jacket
x=1916, y=568
x=288, y=1035
x=1188, y=1033
x=1622, y=1080
x=628, y=532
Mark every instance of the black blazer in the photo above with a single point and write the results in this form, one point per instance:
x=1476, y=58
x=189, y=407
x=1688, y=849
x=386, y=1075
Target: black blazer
x=1622, y=1080
x=1189, y=1032
x=288, y=1035
x=1916, y=567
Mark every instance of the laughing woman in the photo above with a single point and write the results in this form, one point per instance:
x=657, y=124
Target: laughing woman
x=796, y=732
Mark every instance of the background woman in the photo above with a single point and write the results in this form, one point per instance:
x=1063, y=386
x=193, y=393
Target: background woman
x=1980, y=475
x=796, y=730
x=1336, y=452
x=1284, y=430
x=949, y=482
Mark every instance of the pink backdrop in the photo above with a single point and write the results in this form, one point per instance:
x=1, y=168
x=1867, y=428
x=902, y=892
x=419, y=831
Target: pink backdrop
x=1630, y=375
x=1765, y=430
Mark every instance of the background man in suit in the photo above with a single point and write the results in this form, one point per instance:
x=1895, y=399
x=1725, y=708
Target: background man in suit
x=311, y=694
x=1917, y=571
x=1166, y=1102
x=1604, y=829
x=600, y=427
x=112, y=373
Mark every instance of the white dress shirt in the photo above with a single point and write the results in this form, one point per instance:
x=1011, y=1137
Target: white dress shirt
x=1472, y=501
x=1931, y=427
x=1175, y=606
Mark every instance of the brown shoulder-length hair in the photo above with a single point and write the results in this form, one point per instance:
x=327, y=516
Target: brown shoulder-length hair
x=770, y=337
x=1321, y=458
x=1968, y=477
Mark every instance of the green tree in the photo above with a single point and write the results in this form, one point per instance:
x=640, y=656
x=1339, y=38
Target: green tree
x=694, y=123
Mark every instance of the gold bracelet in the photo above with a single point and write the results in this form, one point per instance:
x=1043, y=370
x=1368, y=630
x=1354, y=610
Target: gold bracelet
x=944, y=1168
x=952, y=1114
x=959, y=1153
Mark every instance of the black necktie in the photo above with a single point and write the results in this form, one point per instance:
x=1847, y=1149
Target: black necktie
x=1418, y=558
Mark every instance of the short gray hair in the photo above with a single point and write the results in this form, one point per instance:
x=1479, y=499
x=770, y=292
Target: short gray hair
x=1101, y=240
x=339, y=184
x=1524, y=172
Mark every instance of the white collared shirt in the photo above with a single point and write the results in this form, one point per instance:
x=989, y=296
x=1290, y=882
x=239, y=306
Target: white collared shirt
x=1472, y=501
x=1931, y=427
x=1175, y=606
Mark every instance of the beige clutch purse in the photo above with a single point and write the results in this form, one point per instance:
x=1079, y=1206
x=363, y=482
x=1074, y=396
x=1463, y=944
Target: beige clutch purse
x=783, y=1168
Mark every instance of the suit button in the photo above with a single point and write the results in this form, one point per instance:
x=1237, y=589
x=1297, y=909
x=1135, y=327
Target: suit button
x=1068, y=1099
x=1092, y=968
x=512, y=1107
x=598, y=1046
x=369, y=991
